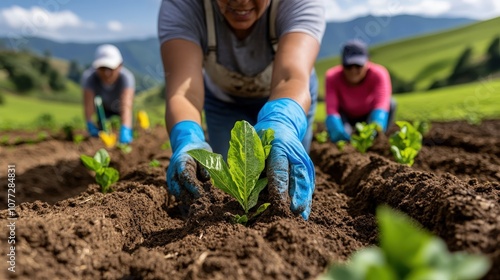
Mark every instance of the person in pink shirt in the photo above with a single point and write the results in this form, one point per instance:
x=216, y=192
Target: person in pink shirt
x=357, y=91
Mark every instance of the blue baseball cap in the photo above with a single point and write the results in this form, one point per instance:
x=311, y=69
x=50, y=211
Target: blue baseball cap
x=354, y=52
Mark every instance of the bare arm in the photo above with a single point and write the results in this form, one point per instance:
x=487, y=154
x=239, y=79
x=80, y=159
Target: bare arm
x=88, y=104
x=126, y=101
x=292, y=68
x=184, y=96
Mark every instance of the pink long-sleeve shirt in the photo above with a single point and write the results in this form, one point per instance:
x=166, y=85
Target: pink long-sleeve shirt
x=374, y=92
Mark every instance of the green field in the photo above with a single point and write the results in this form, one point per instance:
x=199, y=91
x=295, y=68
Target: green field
x=429, y=57
x=22, y=112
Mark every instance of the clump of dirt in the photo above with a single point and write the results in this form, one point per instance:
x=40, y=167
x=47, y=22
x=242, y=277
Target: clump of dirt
x=67, y=229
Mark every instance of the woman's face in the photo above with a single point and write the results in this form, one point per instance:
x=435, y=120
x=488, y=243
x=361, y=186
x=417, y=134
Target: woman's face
x=242, y=14
x=108, y=76
x=354, y=74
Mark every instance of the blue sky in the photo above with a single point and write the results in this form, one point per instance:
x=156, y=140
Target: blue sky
x=110, y=20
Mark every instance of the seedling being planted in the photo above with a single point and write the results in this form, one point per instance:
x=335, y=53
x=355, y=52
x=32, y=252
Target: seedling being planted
x=105, y=176
x=154, y=163
x=240, y=176
x=406, y=143
x=365, y=136
x=125, y=148
x=341, y=145
x=407, y=252
x=321, y=137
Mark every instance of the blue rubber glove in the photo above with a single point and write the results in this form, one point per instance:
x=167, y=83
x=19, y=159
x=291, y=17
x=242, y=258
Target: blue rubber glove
x=289, y=167
x=92, y=129
x=336, y=129
x=126, y=135
x=185, y=136
x=380, y=117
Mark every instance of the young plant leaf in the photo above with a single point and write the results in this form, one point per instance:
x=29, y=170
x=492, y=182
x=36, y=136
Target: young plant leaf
x=105, y=177
x=102, y=157
x=365, y=136
x=405, y=143
x=246, y=161
x=90, y=163
x=407, y=251
x=218, y=170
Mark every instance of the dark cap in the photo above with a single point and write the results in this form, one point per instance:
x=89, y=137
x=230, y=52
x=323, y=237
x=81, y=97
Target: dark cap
x=354, y=52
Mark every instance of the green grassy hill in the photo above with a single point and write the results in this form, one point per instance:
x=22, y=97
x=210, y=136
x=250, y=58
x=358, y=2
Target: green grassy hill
x=429, y=57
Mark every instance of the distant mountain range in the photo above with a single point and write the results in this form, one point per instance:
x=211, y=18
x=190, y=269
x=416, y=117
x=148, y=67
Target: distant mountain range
x=143, y=56
x=378, y=30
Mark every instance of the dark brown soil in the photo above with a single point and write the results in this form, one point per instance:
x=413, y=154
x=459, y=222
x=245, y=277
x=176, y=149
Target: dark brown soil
x=67, y=229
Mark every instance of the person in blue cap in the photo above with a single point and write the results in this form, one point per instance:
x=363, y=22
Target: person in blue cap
x=114, y=84
x=357, y=91
x=247, y=60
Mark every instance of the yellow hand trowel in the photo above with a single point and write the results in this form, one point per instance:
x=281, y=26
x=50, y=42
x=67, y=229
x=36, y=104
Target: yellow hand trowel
x=107, y=137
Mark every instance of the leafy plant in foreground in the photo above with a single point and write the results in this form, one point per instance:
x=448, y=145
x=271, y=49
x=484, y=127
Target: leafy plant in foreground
x=365, y=136
x=239, y=177
x=105, y=176
x=405, y=143
x=407, y=252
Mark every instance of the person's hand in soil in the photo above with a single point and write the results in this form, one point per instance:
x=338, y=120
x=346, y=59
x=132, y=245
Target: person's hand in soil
x=126, y=136
x=289, y=168
x=336, y=129
x=182, y=171
x=379, y=117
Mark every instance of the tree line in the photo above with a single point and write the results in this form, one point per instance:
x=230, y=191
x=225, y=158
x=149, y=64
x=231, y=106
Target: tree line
x=28, y=72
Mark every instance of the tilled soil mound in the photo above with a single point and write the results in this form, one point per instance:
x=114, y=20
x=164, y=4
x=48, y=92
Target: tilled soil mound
x=67, y=229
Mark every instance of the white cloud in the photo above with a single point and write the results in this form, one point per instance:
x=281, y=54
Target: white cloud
x=115, y=26
x=63, y=25
x=333, y=12
x=342, y=10
x=36, y=17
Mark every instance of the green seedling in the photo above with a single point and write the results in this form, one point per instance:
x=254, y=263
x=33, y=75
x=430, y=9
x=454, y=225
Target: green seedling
x=154, y=163
x=166, y=145
x=422, y=126
x=42, y=136
x=321, y=137
x=114, y=123
x=240, y=176
x=365, y=136
x=407, y=251
x=124, y=148
x=405, y=143
x=105, y=176
x=78, y=138
x=341, y=145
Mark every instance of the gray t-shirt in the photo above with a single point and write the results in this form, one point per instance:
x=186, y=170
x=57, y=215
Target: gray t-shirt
x=185, y=19
x=110, y=94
